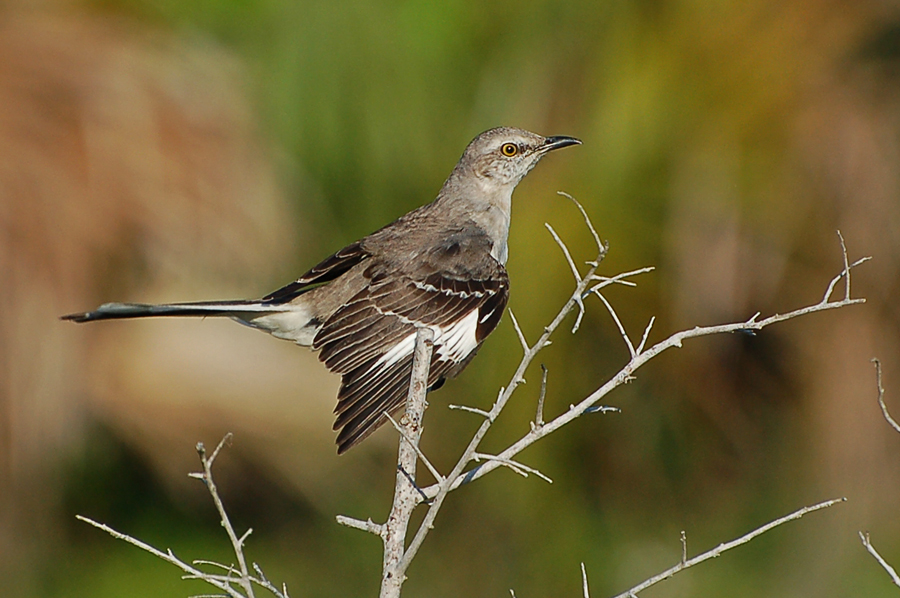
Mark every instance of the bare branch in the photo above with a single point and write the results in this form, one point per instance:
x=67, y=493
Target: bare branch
x=683, y=547
x=237, y=544
x=225, y=440
x=367, y=526
x=602, y=247
x=884, y=408
x=565, y=251
x=519, y=468
x=521, y=336
x=843, y=273
x=456, y=477
x=539, y=415
x=884, y=564
x=626, y=374
x=606, y=281
x=721, y=548
x=264, y=582
x=587, y=283
x=406, y=493
x=584, y=583
x=846, y=266
x=474, y=410
x=618, y=322
x=234, y=576
x=167, y=556
x=640, y=348
x=415, y=445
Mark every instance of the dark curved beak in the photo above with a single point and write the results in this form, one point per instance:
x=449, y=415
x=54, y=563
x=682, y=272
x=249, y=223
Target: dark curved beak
x=552, y=143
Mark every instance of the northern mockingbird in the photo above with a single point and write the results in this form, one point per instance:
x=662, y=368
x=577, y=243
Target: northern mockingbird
x=441, y=265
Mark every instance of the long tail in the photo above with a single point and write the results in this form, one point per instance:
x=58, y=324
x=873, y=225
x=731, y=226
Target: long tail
x=115, y=311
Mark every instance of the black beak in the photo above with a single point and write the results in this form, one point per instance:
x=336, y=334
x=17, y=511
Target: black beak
x=552, y=143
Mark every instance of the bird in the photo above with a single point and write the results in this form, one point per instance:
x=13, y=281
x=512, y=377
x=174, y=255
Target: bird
x=441, y=265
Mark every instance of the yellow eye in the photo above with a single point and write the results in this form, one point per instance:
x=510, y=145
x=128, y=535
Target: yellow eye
x=509, y=149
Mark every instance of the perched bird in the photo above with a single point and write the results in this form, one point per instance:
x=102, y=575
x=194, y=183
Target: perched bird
x=441, y=265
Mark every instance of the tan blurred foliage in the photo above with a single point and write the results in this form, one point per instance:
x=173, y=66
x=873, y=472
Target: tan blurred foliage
x=125, y=155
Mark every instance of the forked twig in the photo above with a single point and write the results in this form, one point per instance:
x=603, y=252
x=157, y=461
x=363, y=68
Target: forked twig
x=237, y=581
x=725, y=546
x=884, y=409
x=884, y=564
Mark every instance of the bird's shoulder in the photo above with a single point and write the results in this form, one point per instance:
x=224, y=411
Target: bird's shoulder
x=419, y=247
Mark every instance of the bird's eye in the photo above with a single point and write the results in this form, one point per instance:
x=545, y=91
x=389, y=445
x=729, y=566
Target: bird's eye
x=509, y=149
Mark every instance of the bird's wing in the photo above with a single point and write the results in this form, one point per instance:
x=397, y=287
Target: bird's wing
x=370, y=340
x=325, y=271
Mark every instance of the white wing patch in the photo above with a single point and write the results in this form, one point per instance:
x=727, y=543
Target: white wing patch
x=455, y=342
x=451, y=343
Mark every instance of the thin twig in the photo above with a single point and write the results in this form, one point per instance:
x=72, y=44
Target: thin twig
x=521, y=336
x=725, y=546
x=600, y=244
x=264, y=582
x=606, y=281
x=640, y=348
x=884, y=408
x=884, y=564
x=434, y=472
x=619, y=325
x=367, y=526
x=237, y=544
x=846, y=266
x=566, y=253
x=584, y=583
x=519, y=468
x=539, y=415
x=474, y=410
x=843, y=273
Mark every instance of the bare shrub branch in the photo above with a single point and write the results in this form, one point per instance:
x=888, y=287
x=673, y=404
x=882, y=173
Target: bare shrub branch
x=884, y=409
x=638, y=357
x=686, y=563
x=406, y=494
x=236, y=582
x=864, y=537
x=587, y=283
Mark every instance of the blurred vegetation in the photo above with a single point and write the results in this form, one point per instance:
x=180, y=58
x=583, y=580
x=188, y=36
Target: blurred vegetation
x=723, y=143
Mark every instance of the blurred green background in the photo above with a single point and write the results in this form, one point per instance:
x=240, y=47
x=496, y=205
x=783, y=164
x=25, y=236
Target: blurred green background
x=163, y=150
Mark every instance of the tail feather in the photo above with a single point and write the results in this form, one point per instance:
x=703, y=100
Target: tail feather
x=116, y=311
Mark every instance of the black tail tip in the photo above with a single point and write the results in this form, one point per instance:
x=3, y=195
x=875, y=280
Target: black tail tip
x=79, y=318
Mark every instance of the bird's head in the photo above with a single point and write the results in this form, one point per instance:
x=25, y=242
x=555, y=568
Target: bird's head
x=501, y=157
